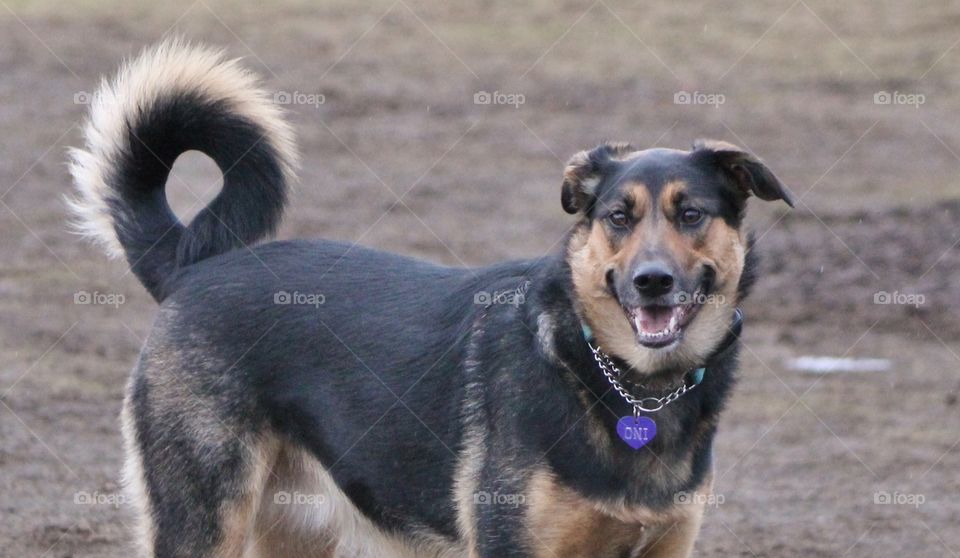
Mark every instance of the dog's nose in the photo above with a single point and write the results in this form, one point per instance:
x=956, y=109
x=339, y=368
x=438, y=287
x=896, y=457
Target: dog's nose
x=653, y=280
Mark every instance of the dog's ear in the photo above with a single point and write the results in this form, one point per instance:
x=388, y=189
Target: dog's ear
x=747, y=172
x=584, y=172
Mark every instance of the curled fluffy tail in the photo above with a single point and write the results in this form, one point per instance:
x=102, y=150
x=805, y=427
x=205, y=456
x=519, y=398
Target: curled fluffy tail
x=174, y=98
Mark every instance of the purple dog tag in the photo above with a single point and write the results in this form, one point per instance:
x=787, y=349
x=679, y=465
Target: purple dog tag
x=636, y=431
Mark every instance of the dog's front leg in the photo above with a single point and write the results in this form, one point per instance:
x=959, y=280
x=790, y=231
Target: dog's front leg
x=676, y=540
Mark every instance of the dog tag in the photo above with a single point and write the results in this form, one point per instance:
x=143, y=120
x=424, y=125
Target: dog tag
x=636, y=431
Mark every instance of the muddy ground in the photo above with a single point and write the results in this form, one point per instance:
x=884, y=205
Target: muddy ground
x=804, y=463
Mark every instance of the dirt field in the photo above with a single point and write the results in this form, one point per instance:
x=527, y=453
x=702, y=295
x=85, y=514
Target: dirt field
x=399, y=156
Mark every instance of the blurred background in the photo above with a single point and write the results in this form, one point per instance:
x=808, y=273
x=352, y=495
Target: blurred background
x=441, y=130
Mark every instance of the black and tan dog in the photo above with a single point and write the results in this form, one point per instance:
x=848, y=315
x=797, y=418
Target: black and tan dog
x=310, y=398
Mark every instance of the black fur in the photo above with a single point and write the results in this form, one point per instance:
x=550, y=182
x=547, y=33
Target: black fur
x=323, y=375
x=247, y=209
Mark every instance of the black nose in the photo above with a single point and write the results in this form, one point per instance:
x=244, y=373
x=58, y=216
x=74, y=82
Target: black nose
x=653, y=280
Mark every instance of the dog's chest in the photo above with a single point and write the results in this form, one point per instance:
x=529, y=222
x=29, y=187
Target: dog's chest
x=562, y=522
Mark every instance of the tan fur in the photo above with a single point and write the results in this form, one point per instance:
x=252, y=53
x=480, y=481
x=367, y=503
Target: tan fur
x=677, y=538
x=135, y=483
x=640, y=195
x=668, y=197
x=465, y=485
x=674, y=540
x=238, y=515
x=591, y=254
x=330, y=524
x=563, y=523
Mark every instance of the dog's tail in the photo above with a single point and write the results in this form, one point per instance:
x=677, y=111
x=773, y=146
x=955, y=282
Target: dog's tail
x=171, y=99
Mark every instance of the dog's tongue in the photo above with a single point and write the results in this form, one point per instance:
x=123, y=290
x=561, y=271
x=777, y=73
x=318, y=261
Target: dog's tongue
x=654, y=319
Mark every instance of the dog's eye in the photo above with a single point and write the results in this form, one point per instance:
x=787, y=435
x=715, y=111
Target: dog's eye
x=618, y=219
x=691, y=216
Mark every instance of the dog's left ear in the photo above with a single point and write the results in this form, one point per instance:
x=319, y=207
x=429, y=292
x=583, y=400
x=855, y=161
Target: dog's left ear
x=747, y=172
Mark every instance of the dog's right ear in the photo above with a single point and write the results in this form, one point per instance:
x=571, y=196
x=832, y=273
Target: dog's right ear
x=583, y=174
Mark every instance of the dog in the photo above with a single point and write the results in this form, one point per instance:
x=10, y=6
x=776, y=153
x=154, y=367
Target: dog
x=317, y=399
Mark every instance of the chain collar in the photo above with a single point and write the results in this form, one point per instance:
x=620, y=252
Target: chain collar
x=646, y=404
x=651, y=404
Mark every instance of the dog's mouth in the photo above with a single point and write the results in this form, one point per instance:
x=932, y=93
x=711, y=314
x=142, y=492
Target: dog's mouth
x=660, y=326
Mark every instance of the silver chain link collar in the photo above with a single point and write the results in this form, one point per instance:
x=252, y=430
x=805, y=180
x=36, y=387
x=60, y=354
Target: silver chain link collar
x=654, y=404
x=645, y=404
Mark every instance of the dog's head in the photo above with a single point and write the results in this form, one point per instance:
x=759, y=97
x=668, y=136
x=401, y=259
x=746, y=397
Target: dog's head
x=658, y=254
